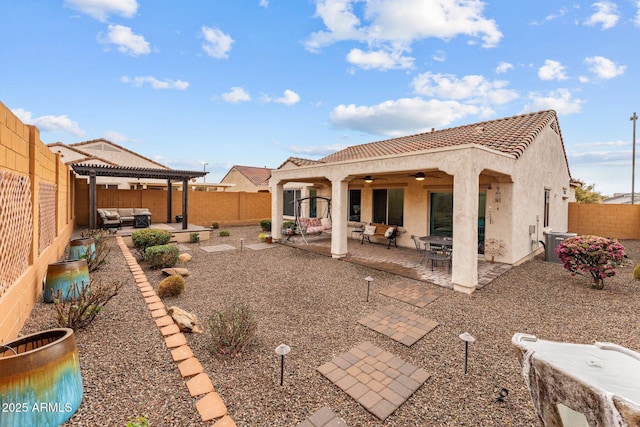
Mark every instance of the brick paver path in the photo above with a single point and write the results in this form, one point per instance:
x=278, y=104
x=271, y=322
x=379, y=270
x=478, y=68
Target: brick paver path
x=416, y=295
x=399, y=325
x=376, y=379
x=324, y=417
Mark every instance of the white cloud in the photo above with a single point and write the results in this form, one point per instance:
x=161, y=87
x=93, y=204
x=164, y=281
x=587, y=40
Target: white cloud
x=117, y=137
x=236, y=94
x=560, y=100
x=155, y=83
x=400, y=117
x=264, y=3
x=101, y=9
x=289, y=98
x=380, y=59
x=563, y=11
x=472, y=88
x=636, y=20
x=216, y=43
x=604, y=68
x=606, y=15
x=125, y=40
x=503, y=67
x=439, y=56
x=552, y=70
x=52, y=124
x=393, y=25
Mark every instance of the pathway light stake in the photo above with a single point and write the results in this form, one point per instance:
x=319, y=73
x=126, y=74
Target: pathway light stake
x=502, y=394
x=282, y=349
x=369, y=279
x=467, y=338
x=241, y=243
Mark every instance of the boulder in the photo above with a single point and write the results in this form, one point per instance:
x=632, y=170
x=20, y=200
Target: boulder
x=187, y=322
x=175, y=270
x=184, y=257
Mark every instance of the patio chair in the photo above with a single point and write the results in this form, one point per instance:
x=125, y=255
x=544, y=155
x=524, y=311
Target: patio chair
x=437, y=253
x=418, y=244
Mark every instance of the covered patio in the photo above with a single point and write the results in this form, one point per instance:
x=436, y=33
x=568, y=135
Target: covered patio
x=402, y=261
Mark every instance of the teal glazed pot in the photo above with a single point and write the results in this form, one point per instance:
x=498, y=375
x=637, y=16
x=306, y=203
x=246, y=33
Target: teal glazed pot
x=68, y=277
x=78, y=248
x=40, y=380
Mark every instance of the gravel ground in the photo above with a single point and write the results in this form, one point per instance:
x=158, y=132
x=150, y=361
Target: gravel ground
x=313, y=303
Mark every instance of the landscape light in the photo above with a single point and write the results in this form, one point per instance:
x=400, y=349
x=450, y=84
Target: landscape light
x=467, y=338
x=282, y=350
x=368, y=279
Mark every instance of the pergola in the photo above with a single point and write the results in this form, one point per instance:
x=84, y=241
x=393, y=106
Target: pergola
x=92, y=171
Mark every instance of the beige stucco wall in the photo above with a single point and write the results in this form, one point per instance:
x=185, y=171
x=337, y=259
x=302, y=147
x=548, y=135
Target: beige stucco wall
x=241, y=182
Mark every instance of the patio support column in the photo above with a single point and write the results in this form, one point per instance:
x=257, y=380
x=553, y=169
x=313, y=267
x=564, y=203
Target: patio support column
x=277, y=206
x=169, y=195
x=93, y=220
x=185, y=203
x=339, y=214
x=466, y=182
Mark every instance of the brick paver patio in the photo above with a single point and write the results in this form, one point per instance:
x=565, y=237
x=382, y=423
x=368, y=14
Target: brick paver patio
x=399, y=325
x=323, y=417
x=375, y=378
x=418, y=296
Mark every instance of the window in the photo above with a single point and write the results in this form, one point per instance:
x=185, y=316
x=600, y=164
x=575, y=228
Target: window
x=388, y=206
x=290, y=197
x=354, y=204
x=547, y=202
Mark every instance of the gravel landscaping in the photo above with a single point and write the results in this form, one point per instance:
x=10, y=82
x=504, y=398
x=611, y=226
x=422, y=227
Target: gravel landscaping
x=313, y=303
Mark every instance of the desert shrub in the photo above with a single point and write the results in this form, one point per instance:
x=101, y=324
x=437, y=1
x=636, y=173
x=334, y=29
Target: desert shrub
x=96, y=258
x=265, y=224
x=171, y=286
x=161, y=256
x=85, y=302
x=232, y=330
x=139, y=421
x=591, y=256
x=147, y=237
x=224, y=233
x=636, y=272
x=215, y=225
x=194, y=238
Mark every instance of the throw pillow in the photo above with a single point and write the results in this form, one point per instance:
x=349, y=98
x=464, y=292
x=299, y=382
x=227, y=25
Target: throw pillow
x=389, y=232
x=370, y=230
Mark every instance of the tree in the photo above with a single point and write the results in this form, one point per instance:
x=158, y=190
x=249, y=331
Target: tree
x=587, y=194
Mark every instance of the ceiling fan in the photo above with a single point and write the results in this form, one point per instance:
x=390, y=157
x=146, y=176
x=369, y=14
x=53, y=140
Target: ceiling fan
x=421, y=176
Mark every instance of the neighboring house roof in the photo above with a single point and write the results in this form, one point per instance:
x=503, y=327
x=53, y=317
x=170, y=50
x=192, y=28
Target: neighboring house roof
x=621, y=199
x=509, y=135
x=257, y=176
x=107, y=147
x=299, y=161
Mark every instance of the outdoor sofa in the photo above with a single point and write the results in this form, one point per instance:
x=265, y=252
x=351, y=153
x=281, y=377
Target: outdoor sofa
x=117, y=217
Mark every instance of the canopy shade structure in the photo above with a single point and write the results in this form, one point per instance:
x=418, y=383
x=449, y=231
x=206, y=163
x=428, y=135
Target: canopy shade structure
x=92, y=171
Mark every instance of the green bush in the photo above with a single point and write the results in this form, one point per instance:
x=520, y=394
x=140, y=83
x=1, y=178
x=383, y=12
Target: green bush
x=161, y=256
x=171, y=286
x=224, y=233
x=232, y=330
x=84, y=304
x=265, y=224
x=142, y=239
x=215, y=225
x=194, y=238
x=636, y=272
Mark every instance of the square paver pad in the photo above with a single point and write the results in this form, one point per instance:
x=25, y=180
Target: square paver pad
x=375, y=378
x=416, y=295
x=399, y=325
x=218, y=248
x=323, y=417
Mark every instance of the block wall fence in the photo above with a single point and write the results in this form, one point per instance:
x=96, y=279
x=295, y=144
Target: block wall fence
x=36, y=218
x=613, y=221
x=227, y=208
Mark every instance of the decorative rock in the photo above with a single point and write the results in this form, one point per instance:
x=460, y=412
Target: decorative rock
x=171, y=271
x=186, y=321
x=184, y=257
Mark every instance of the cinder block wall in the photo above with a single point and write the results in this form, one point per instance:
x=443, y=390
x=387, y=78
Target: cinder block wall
x=613, y=221
x=24, y=156
x=228, y=208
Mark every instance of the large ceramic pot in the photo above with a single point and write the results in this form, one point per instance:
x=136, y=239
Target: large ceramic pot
x=40, y=380
x=68, y=277
x=78, y=248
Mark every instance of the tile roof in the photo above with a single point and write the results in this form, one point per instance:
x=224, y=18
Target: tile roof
x=106, y=141
x=299, y=161
x=257, y=176
x=510, y=135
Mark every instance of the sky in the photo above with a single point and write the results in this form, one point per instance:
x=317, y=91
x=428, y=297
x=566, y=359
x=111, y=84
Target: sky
x=208, y=84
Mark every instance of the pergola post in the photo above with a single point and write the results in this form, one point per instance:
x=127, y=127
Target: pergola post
x=92, y=201
x=185, y=207
x=169, y=202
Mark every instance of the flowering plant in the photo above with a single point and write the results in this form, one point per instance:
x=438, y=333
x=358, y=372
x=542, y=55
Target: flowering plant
x=591, y=255
x=494, y=247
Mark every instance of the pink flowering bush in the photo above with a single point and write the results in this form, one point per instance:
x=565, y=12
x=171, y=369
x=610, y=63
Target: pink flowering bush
x=591, y=255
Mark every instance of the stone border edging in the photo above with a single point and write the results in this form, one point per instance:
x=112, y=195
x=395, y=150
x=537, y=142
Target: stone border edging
x=210, y=406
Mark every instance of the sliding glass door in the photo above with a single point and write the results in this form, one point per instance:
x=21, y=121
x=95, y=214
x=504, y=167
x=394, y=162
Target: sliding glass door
x=441, y=216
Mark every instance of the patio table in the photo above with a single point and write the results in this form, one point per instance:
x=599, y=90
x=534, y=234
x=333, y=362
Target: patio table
x=445, y=245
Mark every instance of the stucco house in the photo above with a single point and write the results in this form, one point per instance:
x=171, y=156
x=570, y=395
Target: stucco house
x=250, y=179
x=506, y=179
